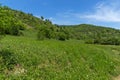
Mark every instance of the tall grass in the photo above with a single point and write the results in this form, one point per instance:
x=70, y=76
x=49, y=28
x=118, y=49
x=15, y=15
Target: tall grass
x=60, y=60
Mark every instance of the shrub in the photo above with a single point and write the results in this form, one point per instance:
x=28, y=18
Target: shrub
x=8, y=59
x=89, y=41
x=61, y=36
x=41, y=33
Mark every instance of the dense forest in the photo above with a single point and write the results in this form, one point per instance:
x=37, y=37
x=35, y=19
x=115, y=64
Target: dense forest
x=14, y=22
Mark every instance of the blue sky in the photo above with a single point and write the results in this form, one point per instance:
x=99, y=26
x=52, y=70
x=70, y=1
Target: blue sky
x=69, y=12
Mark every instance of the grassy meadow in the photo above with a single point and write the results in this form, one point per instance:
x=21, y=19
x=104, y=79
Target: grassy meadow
x=36, y=49
x=26, y=58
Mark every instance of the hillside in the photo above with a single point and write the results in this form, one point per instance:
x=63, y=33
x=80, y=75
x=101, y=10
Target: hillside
x=33, y=48
x=84, y=31
x=94, y=34
x=25, y=18
x=28, y=58
x=15, y=22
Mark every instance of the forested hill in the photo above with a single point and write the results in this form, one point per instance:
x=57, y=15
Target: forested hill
x=14, y=22
x=26, y=18
x=89, y=31
x=94, y=34
x=11, y=21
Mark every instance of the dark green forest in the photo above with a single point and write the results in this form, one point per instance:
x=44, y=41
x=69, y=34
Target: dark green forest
x=14, y=22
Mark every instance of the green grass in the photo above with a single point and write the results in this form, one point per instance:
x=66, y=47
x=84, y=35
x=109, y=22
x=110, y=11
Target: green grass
x=58, y=60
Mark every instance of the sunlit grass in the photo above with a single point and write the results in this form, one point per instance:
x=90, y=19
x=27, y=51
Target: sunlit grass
x=60, y=60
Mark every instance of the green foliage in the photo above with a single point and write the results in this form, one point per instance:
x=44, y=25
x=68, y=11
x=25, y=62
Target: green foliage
x=13, y=21
x=9, y=24
x=53, y=59
x=58, y=60
x=42, y=33
x=45, y=32
x=89, y=41
x=50, y=31
x=28, y=19
x=61, y=36
x=94, y=34
x=108, y=41
x=8, y=60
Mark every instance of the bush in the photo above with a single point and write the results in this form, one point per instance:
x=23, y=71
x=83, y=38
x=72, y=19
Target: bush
x=61, y=36
x=111, y=41
x=14, y=30
x=104, y=41
x=8, y=59
x=89, y=41
x=46, y=32
x=41, y=33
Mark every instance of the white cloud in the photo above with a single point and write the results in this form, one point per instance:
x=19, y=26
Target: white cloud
x=105, y=12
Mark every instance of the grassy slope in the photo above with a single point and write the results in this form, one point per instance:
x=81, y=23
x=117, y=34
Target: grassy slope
x=58, y=60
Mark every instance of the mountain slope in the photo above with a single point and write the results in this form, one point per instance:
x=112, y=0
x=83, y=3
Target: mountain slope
x=13, y=21
x=94, y=34
x=25, y=18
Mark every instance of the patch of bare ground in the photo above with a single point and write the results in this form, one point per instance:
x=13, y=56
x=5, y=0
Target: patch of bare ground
x=117, y=78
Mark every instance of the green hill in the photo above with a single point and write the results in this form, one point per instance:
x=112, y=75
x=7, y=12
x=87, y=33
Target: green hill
x=25, y=18
x=94, y=34
x=15, y=22
x=12, y=21
x=36, y=49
